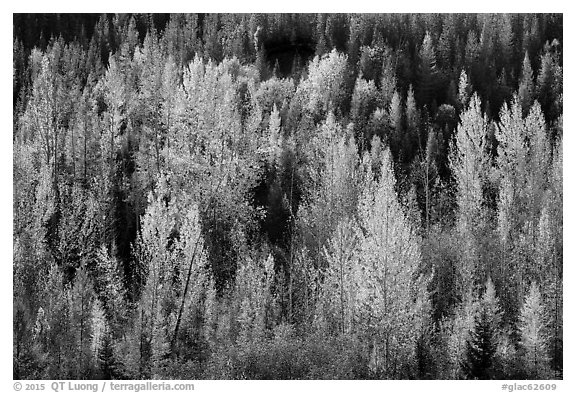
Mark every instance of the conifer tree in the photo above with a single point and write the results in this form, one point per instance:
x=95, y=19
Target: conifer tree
x=523, y=159
x=511, y=161
x=388, y=81
x=472, y=56
x=548, y=273
x=110, y=367
x=191, y=265
x=469, y=163
x=273, y=144
x=526, y=89
x=44, y=115
x=364, y=99
x=396, y=122
x=447, y=41
x=538, y=162
x=533, y=337
x=427, y=174
x=464, y=90
x=457, y=332
x=59, y=333
x=480, y=349
x=34, y=209
x=545, y=85
x=412, y=116
x=157, y=261
x=556, y=226
x=117, y=96
x=152, y=102
x=321, y=46
x=427, y=71
x=334, y=189
x=370, y=63
x=506, y=40
x=412, y=134
x=109, y=284
x=81, y=314
x=342, y=278
x=392, y=309
x=482, y=344
x=86, y=143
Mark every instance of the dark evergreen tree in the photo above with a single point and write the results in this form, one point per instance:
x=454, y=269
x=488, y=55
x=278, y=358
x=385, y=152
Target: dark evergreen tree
x=482, y=345
x=526, y=87
x=427, y=73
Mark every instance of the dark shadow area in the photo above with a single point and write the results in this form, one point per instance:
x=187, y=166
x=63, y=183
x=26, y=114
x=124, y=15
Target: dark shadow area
x=287, y=56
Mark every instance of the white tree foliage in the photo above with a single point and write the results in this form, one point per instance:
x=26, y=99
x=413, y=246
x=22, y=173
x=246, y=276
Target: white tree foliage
x=457, y=331
x=324, y=87
x=522, y=166
x=469, y=164
x=392, y=298
x=174, y=278
x=464, y=89
x=252, y=293
x=533, y=335
x=342, y=279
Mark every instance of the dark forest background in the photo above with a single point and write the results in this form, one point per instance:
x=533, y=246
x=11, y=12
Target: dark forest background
x=287, y=196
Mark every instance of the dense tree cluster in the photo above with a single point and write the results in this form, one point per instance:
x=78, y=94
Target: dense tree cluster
x=287, y=196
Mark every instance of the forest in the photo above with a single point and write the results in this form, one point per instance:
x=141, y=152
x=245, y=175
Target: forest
x=287, y=196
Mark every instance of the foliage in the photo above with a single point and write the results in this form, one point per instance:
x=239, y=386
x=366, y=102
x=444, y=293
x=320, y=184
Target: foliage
x=533, y=337
x=287, y=196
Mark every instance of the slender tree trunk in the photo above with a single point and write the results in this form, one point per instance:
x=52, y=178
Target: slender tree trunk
x=184, y=295
x=55, y=163
x=85, y=154
x=73, y=155
x=189, y=274
x=290, y=310
x=342, y=295
x=157, y=147
x=427, y=198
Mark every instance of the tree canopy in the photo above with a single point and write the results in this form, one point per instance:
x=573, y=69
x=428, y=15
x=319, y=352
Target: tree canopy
x=287, y=196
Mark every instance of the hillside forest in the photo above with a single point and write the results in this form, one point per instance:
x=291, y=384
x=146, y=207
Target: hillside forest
x=287, y=196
